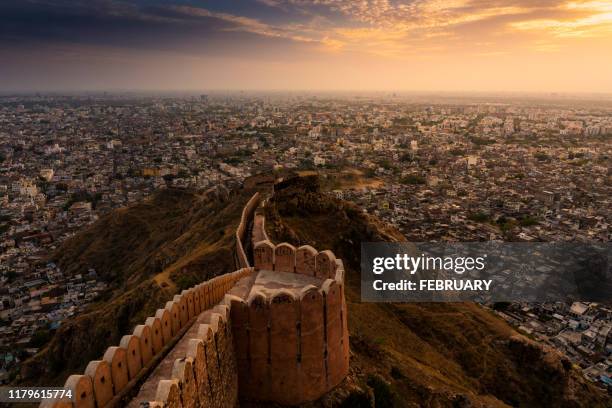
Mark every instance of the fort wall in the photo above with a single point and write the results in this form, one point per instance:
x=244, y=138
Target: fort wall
x=304, y=260
x=274, y=332
x=292, y=345
x=242, y=230
x=110, y=381
x=259, y=230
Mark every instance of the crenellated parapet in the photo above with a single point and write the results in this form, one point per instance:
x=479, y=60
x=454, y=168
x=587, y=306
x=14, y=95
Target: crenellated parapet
x=291, y=342
x=203, y=371
x=275, y=332
x=291, y=331
x=304, y=260
x=110, y=381
x=286, y=344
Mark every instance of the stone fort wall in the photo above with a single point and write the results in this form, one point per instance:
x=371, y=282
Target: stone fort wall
x=108, y=382
x=241, y=231
x=205, y=374
x=223, y=339
x=292, y=345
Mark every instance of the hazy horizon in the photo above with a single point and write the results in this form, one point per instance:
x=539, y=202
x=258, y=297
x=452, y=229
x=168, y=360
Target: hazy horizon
x=521, y=46
x=467, y=96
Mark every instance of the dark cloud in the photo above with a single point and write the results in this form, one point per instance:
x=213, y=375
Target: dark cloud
x=148, y=26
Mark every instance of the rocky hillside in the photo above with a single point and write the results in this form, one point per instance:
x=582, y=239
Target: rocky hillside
x=146, y=253
x=422, y=354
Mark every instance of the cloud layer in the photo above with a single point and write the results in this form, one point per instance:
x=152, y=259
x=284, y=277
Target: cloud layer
x=375, y=33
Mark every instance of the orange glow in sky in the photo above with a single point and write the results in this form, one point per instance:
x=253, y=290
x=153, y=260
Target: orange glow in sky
x=420, y=45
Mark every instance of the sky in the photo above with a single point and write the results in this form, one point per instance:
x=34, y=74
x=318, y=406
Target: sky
x=319, y=45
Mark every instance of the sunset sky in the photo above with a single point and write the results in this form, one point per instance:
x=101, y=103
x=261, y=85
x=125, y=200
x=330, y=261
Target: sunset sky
x=420, y=45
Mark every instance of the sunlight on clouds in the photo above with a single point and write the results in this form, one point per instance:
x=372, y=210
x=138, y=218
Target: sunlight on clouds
x=404, y=38
x=443, y=20
x=332, y=44
x=428, y=27
x=450, y=45
x=247, y=24
x=591, y=5
x=595, y=25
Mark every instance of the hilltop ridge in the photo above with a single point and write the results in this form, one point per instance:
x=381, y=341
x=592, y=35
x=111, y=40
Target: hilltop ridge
x=146, y=253
x=403, y=355
x=423, y=354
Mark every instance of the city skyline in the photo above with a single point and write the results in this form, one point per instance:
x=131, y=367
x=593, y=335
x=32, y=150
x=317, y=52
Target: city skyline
x=422, y=46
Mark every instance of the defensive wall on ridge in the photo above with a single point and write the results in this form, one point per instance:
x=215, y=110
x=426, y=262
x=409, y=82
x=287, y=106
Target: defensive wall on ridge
x=274, y=331
x=242, y=235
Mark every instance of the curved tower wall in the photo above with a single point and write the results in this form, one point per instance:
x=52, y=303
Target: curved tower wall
x=292, y=348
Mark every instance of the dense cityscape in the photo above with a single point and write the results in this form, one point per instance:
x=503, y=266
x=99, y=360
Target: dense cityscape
x=441, y=170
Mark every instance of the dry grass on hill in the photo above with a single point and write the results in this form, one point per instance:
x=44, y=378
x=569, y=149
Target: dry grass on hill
x=423, y=354
x=146, y=253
